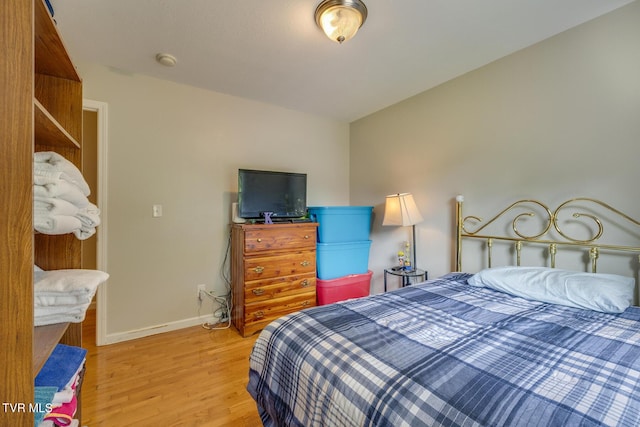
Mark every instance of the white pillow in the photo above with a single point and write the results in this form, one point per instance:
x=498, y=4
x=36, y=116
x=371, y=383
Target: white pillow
x=607, y=293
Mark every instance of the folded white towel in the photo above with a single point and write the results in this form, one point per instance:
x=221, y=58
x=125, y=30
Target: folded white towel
x=90, y=219
x=47, y=299
x=89, y=215
x=55, y=224
x=60, y=310
x=64, y=295
x=53, y=206
x=74, y=281
x=57, y=216
x=43, y=175
x=61, y=189
x=50, y=161
x=72, y=316
x=84, y=233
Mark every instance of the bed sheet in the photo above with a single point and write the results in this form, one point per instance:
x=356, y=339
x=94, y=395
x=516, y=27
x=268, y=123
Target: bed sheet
x=446, y=353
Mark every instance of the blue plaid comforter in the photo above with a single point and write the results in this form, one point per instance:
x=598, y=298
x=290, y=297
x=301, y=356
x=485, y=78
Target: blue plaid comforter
x=446, y=353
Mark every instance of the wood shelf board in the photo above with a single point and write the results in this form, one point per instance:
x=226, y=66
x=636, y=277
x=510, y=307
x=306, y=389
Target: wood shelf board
x=62, y=99
x=47, y=130
x=51, y=55
x=45, y=339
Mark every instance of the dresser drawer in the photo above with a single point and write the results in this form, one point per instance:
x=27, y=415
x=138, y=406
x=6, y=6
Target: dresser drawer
x=276, y=238
x=269, y=310
x=262, y=290
x=266, y=267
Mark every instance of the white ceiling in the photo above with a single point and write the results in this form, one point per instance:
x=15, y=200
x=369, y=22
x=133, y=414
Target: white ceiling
x=272, y=50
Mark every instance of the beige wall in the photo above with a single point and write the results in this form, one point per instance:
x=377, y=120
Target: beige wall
x=558, y=119
x=181, y=147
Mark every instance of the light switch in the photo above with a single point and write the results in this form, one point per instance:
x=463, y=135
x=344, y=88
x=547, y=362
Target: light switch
x=157, y=211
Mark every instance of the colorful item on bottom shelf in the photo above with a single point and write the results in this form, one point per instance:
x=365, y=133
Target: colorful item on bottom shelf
x=62, y=415
x=60, y=375
x=43, y=396
x=61, y=367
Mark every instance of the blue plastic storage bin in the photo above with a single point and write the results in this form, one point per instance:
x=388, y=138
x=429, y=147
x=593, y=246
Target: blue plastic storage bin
x=342, y=223
x=341, y=259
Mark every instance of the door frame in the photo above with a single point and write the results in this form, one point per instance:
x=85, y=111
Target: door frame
x=101, y=244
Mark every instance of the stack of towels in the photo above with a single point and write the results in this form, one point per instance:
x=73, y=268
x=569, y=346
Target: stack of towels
x=60, y=204
x=56, y=387
x=62, y=296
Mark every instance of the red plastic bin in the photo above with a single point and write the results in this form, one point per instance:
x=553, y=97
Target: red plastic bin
x=343, y=288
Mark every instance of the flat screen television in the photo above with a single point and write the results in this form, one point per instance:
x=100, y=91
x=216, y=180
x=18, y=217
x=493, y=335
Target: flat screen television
x=280, y=195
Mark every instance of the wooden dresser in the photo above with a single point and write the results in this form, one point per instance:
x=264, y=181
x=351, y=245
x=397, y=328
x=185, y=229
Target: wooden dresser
x=273, y=272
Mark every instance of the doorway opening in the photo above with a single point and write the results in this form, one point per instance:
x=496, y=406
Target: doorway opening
x=94, y=170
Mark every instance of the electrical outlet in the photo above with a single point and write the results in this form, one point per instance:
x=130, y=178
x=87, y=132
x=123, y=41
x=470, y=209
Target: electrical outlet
x=201, y=288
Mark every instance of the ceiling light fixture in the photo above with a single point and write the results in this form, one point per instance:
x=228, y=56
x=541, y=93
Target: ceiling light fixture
x=340, y=19
x=166, y=59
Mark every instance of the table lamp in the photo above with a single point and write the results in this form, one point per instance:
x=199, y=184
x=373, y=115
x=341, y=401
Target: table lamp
x=401, y=209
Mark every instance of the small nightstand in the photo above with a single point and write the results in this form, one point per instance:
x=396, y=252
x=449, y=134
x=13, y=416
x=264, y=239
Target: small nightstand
x=407, y=275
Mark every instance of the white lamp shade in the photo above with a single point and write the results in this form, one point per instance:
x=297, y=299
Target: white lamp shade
x=401, y=209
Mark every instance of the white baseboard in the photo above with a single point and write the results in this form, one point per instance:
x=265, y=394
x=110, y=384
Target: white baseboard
x=157, y=329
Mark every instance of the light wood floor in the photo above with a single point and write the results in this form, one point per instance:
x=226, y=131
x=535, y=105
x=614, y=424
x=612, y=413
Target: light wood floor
x=190, y=377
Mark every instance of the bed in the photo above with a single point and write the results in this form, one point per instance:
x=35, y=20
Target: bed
x=502, y=347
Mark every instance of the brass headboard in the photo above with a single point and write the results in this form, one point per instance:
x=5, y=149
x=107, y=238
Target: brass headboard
x=551, y=234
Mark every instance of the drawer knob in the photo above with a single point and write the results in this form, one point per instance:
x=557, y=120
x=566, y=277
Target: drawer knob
x=306, y=236
x=258, y=269
x=305, y=263
x=305, y=303
x=259, y=240
x=258, y=314
x=258, y=291
x=304, y=283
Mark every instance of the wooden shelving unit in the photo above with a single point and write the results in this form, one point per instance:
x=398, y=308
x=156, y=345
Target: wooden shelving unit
x=40, y=110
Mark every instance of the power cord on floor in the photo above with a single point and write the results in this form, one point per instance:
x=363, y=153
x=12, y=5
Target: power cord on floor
x=223, y=312
x=226, y=302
